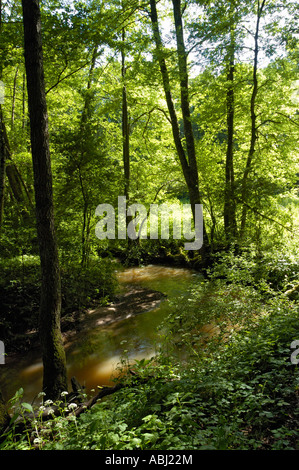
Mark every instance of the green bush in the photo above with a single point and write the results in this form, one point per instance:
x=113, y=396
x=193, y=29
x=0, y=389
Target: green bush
x=274, y=270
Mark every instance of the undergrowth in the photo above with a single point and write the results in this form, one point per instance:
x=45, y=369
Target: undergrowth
x=242, y=394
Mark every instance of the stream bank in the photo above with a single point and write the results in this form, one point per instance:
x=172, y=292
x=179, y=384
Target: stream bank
x=96, y=342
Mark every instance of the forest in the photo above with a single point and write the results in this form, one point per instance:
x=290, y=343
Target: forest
x=149, y=225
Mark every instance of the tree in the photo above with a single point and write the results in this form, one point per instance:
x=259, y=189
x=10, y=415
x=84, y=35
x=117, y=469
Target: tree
x=188, y=162
x=125, y=123
x=219, y=37
x=253, y=117
x=2, y=142
x=3, y=158
x=230, y=223
x=54, y=362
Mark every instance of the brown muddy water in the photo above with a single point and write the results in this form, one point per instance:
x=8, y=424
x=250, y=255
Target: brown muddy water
x=95, y=353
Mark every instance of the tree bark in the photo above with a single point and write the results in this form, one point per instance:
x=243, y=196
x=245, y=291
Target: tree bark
x=54, y=362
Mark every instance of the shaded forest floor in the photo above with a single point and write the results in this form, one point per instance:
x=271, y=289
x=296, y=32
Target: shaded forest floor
x=238, y=392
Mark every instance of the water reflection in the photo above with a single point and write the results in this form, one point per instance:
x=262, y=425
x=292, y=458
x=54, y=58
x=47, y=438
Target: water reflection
x=93, y=356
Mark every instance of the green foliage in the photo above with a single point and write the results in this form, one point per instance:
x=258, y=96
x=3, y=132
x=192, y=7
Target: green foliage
x=19, y=294
x=84, y=285
x=240, y=398
x=30, y=428
x=239, y=394
x=236, y=388
x=273, y=270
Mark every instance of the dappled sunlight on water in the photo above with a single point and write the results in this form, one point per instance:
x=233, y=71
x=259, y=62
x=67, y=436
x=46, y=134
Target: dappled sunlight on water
x=94, y=354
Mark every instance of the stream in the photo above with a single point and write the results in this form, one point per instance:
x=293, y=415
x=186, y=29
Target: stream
x=95, y=352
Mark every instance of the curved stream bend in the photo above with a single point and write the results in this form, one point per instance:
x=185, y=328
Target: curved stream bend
x=108, y=334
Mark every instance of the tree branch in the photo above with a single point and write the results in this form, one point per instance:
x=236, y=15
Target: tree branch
x=66, y=76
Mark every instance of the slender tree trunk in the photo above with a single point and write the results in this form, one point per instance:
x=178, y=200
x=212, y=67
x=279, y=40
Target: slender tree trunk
x=24, y=103
x=14, y=98
x=230, y=224
x=126, y=139
x=84, y=148
x=3, y=158
x=253, y=138
x=54, y=362
x=188, y=162
x=168, y=95
x=2, y=139
x=184, y=87
x=125, y=125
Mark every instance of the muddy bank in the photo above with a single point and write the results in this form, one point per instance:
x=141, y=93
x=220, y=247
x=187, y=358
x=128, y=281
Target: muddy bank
x=134, y=301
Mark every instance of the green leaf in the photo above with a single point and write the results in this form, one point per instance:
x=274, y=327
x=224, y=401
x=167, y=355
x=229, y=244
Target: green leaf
x=27, y=407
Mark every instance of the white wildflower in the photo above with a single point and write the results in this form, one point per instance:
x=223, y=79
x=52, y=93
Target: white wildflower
x=72, y=406
x=48, y=402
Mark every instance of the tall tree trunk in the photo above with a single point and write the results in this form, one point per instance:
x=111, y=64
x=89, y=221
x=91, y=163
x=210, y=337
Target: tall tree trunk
x=253, y=138
x=83, y=132
x=184, y=88
x=230, y=224
x=3, y=158
x=24, y=103
x=2, y=139
x=54, y=362
x=14, y=98
x=188, y=162
x=126, y=139
x=125, y=125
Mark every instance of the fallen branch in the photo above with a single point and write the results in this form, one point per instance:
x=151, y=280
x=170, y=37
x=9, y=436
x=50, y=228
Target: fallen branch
x=105, y=391
x=20, y=423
